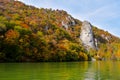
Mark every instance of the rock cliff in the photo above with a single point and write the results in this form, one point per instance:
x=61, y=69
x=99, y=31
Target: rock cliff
x=86, y=36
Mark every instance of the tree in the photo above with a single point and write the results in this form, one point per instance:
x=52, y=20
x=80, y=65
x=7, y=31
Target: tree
x=11, y=36
x=3, y=27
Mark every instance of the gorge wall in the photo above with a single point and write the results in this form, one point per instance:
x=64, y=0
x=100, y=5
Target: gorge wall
x=86, y=36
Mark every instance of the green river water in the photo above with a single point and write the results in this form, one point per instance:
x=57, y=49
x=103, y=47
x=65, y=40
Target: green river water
x=97, y=70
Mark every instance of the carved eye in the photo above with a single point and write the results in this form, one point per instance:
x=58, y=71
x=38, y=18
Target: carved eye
x=90, y=41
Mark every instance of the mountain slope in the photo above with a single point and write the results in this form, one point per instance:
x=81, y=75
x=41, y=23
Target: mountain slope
x=31, y=34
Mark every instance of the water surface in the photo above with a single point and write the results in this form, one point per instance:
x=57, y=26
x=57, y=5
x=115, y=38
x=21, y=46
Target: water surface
x=100, y=70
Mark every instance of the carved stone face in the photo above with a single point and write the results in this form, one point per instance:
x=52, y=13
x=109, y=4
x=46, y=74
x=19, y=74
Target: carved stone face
x=86, y=35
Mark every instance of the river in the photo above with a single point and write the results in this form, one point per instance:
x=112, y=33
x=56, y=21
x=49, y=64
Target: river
x=96, y=70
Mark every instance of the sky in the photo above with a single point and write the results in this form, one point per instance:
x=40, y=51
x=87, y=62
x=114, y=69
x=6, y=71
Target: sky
x=105, y=14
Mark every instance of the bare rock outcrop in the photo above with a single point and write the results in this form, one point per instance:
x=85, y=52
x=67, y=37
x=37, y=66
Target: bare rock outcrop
x=86, y=36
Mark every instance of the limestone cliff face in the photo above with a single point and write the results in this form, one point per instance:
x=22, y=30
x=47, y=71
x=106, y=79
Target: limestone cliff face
x=69, y=21
x=86, y=36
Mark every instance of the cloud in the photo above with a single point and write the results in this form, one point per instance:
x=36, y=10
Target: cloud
x=20, y=0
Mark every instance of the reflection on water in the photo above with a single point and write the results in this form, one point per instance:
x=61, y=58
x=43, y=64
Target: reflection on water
x=98, y=70
x=101, y=70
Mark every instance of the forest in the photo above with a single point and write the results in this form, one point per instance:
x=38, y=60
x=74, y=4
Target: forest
x=30, y=34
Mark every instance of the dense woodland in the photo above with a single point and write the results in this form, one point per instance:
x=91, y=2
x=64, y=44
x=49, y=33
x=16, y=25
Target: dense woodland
x=32, y=34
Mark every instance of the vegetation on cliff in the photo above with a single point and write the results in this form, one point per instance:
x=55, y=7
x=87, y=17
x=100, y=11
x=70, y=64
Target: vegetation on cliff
x=31, y=34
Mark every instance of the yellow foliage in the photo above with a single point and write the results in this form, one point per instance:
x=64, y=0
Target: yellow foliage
x=83, y=56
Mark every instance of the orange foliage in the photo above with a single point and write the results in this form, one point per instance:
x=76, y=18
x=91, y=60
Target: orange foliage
x=11, y=36
x=24, y=25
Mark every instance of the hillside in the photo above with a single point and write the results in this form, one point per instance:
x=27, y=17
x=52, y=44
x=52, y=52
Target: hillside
x=28, y=33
